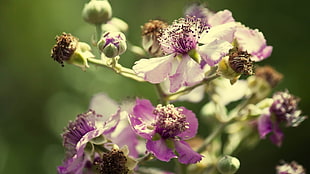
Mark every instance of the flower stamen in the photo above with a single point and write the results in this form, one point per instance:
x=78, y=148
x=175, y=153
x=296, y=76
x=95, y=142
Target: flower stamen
x=170, y=121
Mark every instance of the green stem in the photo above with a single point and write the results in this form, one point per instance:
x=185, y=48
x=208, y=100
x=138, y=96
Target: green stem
x=145, y=158
x=126, y=72
x=161, y=95
x=98, y=31
x=186, y=90
x=212, y=136
x=180, y=168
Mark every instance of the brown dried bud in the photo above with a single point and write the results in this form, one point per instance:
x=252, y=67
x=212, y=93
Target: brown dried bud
x=150, y=34
x=269, y=74
x=241, y=62
x=64, y=48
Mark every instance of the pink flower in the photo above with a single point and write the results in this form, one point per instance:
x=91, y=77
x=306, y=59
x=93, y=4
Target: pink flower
x=165, y=128
x=185, y=43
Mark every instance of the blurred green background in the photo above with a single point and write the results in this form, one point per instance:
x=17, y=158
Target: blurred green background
x=38, y=96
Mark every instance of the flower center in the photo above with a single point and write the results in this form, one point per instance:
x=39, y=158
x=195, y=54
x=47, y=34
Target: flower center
x=64, y=48
x=284, y=103
x=76, y=130
x=182, y=36
x=170, y=121
x=112, y=162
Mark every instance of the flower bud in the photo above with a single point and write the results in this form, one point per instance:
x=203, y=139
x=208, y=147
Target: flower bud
x=150, y=34
x=68, y=49
x=112, y=44
x=97, y=12
x=228, y=165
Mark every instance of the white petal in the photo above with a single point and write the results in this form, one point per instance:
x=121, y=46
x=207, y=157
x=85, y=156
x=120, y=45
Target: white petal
x=213, y=52
x=154, y=70
x=221, y=17
x=220, y=32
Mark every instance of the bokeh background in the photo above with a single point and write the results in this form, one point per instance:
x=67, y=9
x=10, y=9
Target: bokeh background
x=38, y=96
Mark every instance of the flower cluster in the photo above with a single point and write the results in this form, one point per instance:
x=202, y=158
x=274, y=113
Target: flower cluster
x=203, y=53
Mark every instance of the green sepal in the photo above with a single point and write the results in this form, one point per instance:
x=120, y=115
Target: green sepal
x=195, y=55
x=156, y=137
x=99, y=140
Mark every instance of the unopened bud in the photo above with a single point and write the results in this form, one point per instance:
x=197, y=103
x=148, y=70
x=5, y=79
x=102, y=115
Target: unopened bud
x=97, y=12
x=228, y=165
x=112, y=44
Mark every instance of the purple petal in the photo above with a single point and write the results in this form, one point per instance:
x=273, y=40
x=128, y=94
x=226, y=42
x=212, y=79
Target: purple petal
x=126, y=136
x=199, y=11
x=72, y=165
x=154, y=70
x=221, y=17
x=186, y=154
x=188, y=73
x=213, y=52
x=277, y=136
x=253, y=41
x=264, y=125
x=193, y=124
x=160, y=150
x=142, y=118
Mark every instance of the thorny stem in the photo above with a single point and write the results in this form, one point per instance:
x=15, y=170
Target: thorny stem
x=117, y=68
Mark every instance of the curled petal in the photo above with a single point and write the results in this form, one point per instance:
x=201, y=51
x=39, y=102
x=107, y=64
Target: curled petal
x=142, y=118
x=253, y=41
x=154, y=70
x=186, y=154
x=213, y=52
x=188, y=73
x=221, y=17
x=160, y=149
x=193, y=124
